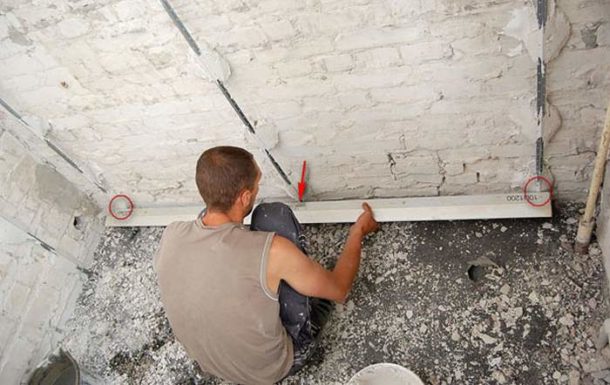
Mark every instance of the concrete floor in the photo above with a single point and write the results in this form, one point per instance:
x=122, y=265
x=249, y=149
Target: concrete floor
x=533, y=319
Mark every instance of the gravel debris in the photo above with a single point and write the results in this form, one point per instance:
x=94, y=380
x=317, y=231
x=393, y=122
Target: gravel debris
x=531, y=317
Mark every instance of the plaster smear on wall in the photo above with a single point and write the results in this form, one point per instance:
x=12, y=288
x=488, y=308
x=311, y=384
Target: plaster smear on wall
x=524, y=27
x=210, y=65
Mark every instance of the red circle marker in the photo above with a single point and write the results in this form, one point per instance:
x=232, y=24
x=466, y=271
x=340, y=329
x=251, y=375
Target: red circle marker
x=530, y=180
x=129, y=212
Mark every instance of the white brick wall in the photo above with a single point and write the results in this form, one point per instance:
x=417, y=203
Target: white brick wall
x=343, y=82
x=38, y=287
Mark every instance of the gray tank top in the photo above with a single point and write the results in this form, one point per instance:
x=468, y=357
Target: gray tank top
x=214, y=292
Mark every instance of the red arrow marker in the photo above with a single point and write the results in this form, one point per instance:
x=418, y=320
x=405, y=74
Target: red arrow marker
x=302, y=184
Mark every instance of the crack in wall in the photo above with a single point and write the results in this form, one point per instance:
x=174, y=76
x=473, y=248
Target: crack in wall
x=392, y=164
x=442, y=171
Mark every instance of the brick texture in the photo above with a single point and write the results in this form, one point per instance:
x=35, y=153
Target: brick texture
x=344, y=84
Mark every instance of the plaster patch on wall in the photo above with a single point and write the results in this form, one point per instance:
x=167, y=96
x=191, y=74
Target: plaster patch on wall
x=556, y=32
x=552, y=122
x=589, y=34
x=522, y=116
x=523, y=26
x=210, y=65
x=17, y=37
x=266, y=136
x=52, y=187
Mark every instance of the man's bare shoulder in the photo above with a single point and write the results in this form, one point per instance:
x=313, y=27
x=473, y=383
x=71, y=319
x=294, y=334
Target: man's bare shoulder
x=282, y=248
x=282, y=254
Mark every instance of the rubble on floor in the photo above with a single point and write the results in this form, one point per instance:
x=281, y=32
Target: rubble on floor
x=464, y=302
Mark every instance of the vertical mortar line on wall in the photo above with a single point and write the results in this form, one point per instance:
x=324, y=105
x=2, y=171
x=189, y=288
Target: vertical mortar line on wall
x=195, y=47
x=541, y=13
x=52, y=146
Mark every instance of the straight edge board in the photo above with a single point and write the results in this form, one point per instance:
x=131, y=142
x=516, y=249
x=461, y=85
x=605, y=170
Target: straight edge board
x=462, y=207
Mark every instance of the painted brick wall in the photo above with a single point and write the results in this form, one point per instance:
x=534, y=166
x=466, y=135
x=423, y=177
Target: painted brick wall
x=392, y=98
x=48, y=229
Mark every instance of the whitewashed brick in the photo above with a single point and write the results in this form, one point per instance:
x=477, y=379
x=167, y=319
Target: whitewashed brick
x=338, y=63
x=419, y=53
x=376, y=37
x=354, y=99
x=13, y=374
x=463, y=179
x=245, y=37
x=371, y=79
x=310, y=23
x=278, y=30
x=293, y=68
x=16, y=298
x=405, y=94
x=128, y=9
x=3, y=27
x=453, y=168
x=71, y=28
x=313, y=47
x=379, y=57
x=7, y=330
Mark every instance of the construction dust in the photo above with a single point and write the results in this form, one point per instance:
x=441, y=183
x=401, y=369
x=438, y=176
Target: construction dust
x=529, y=314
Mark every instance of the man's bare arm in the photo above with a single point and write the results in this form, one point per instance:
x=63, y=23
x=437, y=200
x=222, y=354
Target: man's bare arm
x=307, y=276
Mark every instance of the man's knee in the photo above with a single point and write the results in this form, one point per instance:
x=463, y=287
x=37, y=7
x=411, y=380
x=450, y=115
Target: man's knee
x=272, y=211
x=277, y=217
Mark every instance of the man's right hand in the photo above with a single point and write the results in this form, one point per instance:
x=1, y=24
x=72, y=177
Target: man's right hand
x=366, y=222
x=308, y=277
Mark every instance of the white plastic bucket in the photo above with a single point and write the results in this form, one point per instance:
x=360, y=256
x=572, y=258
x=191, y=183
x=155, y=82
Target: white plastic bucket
x=385, y=374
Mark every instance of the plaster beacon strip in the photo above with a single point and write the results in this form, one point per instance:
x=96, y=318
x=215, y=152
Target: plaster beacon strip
x=181, y=27
x=55, y=148
x=541, y=13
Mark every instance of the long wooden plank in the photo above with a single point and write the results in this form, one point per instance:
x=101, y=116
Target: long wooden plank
x=386, y=210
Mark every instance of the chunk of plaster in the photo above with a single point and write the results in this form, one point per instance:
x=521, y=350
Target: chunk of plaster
x=523, y=26
x=210, y=65
x=268, y=134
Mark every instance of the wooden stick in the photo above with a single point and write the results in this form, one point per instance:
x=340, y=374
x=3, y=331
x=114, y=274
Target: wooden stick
x=585, y=227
